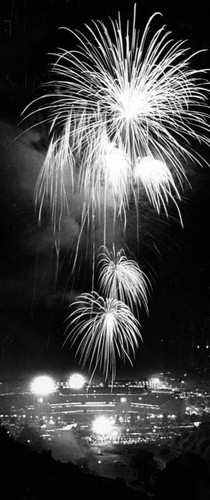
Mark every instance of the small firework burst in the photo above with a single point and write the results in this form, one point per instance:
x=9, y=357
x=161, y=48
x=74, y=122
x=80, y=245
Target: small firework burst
x=122, y=279
x=103, y=329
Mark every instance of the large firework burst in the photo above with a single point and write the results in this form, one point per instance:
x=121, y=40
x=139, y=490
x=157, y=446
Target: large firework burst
x=116, y=100
x=102, y=329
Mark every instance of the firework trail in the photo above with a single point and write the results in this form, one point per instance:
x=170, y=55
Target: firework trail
x=103, y=330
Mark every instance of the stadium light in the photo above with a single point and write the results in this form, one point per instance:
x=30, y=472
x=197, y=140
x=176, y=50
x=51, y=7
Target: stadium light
x=43, y=385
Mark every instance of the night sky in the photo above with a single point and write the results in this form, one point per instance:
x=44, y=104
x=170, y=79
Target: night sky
x=33, y=297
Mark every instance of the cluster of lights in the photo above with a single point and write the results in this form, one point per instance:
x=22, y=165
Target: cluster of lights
x=157, y=383
x=43, y=385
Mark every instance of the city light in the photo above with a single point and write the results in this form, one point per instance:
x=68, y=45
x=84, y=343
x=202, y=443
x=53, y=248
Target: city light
x=76, y=381
x=43, y=385
x=108, y=418
x=104, y=426
x=155, y=382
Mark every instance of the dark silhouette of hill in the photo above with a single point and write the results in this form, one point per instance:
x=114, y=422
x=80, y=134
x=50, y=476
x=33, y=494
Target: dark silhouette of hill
x=188, y=475
x=28, y=475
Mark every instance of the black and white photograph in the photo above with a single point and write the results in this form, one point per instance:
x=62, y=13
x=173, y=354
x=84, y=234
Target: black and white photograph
x=105, y=249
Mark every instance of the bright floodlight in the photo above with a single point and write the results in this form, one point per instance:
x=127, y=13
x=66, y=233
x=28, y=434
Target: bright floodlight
x=43, y=385
x=76, y=381
x=103, y=426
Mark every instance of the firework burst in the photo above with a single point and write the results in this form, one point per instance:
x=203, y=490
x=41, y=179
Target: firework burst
x=123, y=109
x=103, y=329
x=122, y=279
x=117, y=99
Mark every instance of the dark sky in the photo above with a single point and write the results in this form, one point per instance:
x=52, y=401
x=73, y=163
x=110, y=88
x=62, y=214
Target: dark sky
x=34, y=300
